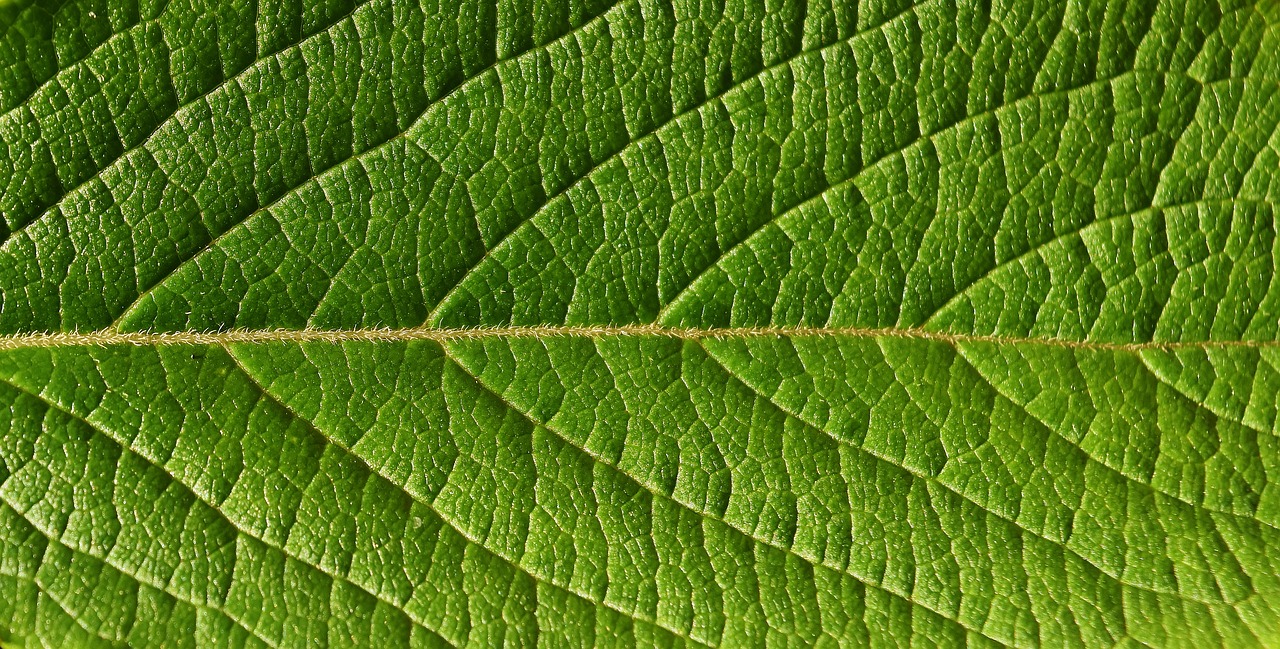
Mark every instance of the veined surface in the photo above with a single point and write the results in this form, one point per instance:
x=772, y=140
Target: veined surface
x=735, y=323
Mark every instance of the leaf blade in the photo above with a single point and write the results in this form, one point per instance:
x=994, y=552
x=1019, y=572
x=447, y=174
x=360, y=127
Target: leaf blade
x=639, y=323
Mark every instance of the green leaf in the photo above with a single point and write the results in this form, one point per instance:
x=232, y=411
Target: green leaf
x=634, y=322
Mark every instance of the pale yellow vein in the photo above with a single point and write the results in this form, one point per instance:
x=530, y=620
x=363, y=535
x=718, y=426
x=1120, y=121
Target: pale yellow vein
x=436, y=334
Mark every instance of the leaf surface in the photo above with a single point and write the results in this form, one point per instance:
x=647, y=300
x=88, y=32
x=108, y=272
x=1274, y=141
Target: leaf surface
x=797, y=323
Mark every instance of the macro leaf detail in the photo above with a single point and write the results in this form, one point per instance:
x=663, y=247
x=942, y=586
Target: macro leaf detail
x=639, y=323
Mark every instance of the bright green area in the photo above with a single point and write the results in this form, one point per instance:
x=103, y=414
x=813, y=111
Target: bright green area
x=1031, y=168
x=626, y=491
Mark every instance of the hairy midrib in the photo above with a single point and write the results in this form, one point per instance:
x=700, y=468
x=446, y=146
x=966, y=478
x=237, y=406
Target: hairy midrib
x=444, y=334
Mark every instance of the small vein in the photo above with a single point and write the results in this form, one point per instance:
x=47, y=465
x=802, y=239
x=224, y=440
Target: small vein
x=106, y=559
x=653, y=133
x=1040, y=248
x=94, y=50
x=706, y=515
x=142, y=144
x=161, y=587
x=935, y=480
x=515, y=565
x=821, y=194
x=965, y=355
x=1217, y=413
x=128, y=448
x=339, y=164
x=50, y=596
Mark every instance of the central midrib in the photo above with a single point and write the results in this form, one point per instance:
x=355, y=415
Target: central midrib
x=438, y=334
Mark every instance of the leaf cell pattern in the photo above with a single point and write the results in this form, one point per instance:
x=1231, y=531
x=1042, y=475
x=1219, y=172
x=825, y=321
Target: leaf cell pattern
x=1000, y=361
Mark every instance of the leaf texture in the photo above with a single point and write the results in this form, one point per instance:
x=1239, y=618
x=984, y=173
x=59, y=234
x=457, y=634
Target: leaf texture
x=639, y=323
